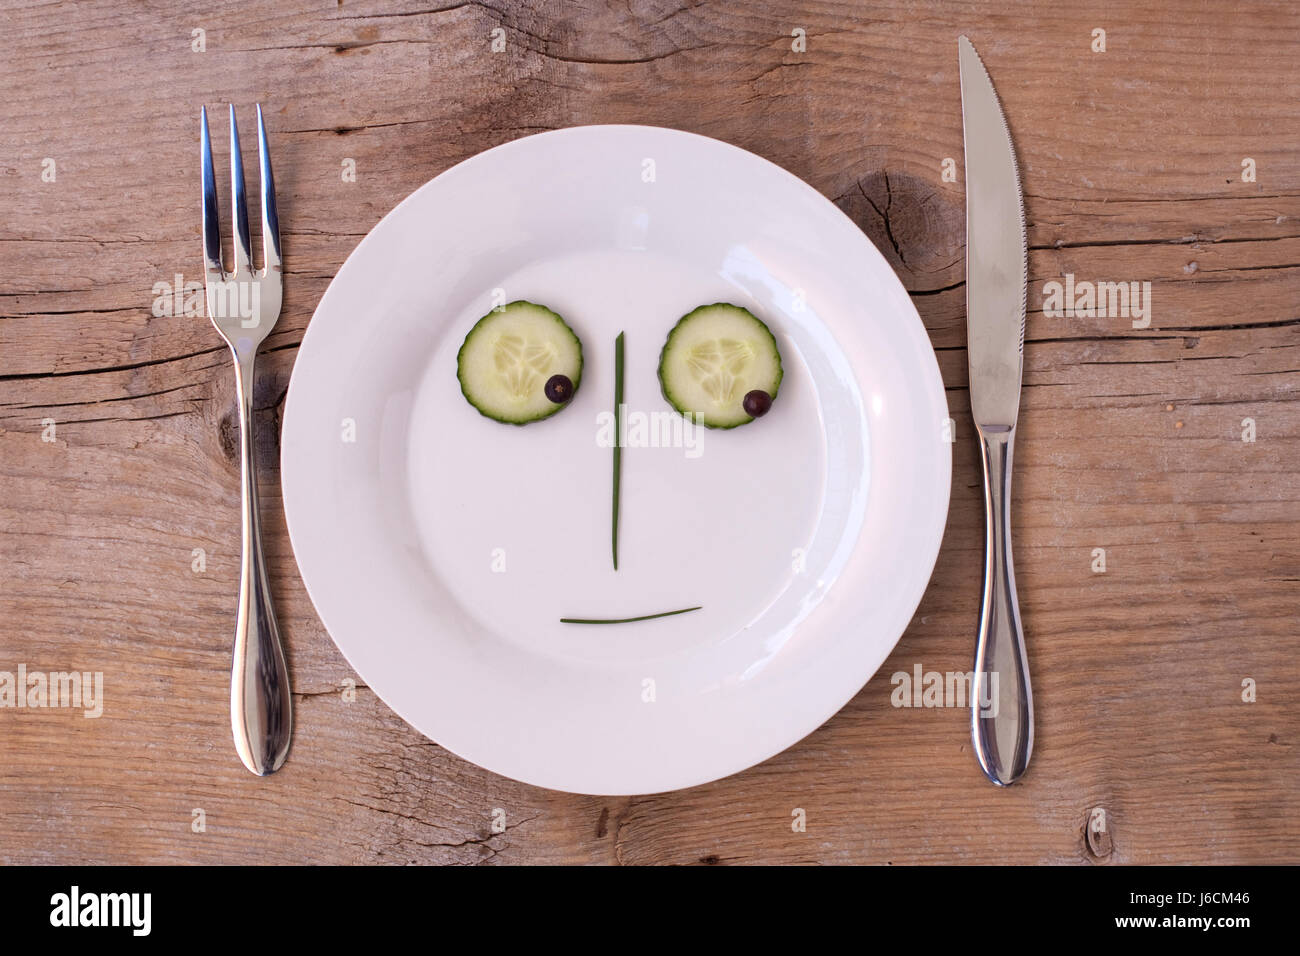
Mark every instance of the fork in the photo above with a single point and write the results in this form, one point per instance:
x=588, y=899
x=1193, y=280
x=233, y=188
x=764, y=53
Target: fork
x=244, y=305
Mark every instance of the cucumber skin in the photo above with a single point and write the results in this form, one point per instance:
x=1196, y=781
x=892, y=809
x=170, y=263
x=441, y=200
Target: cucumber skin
x=663, y=356
x=577, y=377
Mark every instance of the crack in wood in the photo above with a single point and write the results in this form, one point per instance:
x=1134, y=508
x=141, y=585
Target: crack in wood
x=433, y=11
x=106, y=401
x=1178, y=241
x=30, y=376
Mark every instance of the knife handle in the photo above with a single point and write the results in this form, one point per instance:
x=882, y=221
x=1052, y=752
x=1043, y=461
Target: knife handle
x=1002, y=706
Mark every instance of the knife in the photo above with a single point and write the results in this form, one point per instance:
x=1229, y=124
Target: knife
x=1002, y=709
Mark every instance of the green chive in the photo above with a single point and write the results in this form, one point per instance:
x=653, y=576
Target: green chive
x=618, y=437
x=625, y=620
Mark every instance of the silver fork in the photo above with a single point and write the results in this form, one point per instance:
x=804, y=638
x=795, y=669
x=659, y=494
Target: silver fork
x=244, y=305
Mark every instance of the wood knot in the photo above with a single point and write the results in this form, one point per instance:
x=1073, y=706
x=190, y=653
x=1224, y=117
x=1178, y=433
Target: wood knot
x=919, y=227
x=228, y=437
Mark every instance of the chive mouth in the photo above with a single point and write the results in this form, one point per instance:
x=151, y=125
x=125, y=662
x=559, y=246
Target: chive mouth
x=627, y=620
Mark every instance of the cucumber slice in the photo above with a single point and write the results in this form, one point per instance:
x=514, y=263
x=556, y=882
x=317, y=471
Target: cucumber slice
x=508, y=357
x=713, y=358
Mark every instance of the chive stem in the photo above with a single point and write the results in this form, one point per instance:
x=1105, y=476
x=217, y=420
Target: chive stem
x=618, y=439
x=625, y=620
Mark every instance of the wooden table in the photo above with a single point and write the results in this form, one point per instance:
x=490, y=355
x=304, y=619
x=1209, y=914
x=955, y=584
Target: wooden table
x=1135, y=168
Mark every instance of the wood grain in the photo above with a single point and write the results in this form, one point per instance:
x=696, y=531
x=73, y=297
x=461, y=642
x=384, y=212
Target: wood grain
x=1131, y=438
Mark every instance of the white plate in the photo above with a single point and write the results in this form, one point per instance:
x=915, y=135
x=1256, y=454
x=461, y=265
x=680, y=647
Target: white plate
x=441, y=548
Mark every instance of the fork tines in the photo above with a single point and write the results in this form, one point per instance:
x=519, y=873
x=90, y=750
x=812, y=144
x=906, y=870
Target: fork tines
x=239, y=208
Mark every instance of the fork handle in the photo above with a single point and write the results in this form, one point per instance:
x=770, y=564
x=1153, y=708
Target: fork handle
x=261, y=708
x=1002, y=708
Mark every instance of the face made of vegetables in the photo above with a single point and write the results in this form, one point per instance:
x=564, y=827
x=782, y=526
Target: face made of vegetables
x=522, y=363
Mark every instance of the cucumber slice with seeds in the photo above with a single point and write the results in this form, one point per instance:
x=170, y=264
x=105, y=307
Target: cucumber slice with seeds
x=713, y=358
x=509, y=356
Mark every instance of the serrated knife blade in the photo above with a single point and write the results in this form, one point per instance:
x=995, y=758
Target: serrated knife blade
x=996, y=269
x=1002, y=712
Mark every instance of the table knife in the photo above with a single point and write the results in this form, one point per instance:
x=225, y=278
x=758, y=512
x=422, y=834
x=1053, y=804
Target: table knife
x=1002, y=710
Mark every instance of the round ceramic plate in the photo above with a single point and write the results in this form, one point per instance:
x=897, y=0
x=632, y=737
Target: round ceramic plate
x=442, y=549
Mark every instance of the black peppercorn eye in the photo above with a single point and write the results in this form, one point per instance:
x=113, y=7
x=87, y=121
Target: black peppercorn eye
x=757, y=403
x=559, y=389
